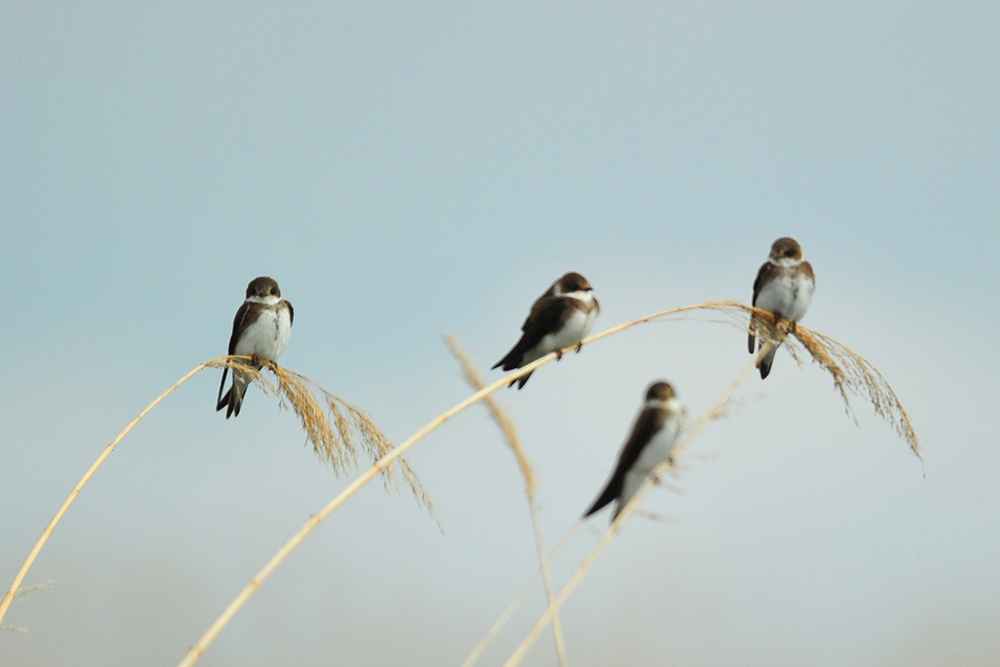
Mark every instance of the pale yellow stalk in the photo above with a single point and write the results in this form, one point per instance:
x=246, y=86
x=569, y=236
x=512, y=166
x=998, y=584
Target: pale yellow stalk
x=9, y=597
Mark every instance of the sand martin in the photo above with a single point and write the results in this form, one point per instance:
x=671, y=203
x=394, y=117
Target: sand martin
x=653, y=438
x=261, y=330
x=784, y=286
x=559, y=318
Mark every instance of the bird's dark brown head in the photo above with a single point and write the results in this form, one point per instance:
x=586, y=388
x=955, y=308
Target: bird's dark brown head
x=573, y=282
x=786, y=248
x=263, y=286
x=660, y=391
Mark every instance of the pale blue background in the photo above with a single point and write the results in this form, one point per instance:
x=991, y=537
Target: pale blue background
x=409, y=171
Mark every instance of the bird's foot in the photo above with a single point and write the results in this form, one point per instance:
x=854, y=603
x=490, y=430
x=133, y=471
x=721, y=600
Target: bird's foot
x=558, y=355
x=579, y=346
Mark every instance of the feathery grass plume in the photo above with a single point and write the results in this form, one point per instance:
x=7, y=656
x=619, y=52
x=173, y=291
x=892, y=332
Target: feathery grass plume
x=717, y=411
x=506, y=425
x=854, y=374
x=730, y=308
x=851, y=373
x=335, y=443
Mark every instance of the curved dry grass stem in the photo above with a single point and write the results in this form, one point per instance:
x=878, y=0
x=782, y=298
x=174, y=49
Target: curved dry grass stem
x=506, y=425
x=728, y=307
x=293, y=390
x=715, y=412
x=9, y=597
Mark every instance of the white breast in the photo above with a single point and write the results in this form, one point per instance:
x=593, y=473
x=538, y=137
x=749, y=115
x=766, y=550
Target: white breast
x=653, y=454
x=574, y=330
x=787, y=295
x=268, y=336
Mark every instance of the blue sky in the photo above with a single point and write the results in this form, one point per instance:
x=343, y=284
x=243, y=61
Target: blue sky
x=404, y=172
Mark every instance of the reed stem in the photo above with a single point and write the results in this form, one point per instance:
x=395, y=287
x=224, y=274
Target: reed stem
x=12, y=591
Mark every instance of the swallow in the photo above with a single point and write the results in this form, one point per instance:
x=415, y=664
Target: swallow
x=261, y=329
x=652, y=441
x=784, y=286
x=559, y=318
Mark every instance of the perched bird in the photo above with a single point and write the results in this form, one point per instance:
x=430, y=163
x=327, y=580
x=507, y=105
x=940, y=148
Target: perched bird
x=653, y=438
x=784, y=286
x=559, y=318
x=261, y=330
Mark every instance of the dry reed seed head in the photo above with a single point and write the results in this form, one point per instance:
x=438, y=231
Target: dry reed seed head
x=326, y=444
x=335, y=444
x=342, y=425
x=851, y=373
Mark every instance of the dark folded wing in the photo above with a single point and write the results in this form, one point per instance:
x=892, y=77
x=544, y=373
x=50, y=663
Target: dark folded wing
x=547, y=315
x=238, y=322
x=766, y=274
x=649, y=422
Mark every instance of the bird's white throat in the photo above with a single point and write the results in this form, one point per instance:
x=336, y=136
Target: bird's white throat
x=269, y=300
x=785, y=262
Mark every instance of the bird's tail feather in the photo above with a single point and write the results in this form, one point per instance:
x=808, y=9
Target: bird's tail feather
x=765, y=358
x=233, y=399
x=511, y=360
x=609, y=493
x=221, y=401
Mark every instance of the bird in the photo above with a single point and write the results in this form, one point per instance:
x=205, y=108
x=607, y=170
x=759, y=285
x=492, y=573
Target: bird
x=652, y=441
x=784, y=286
x=261, y=329
x=559, y=318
